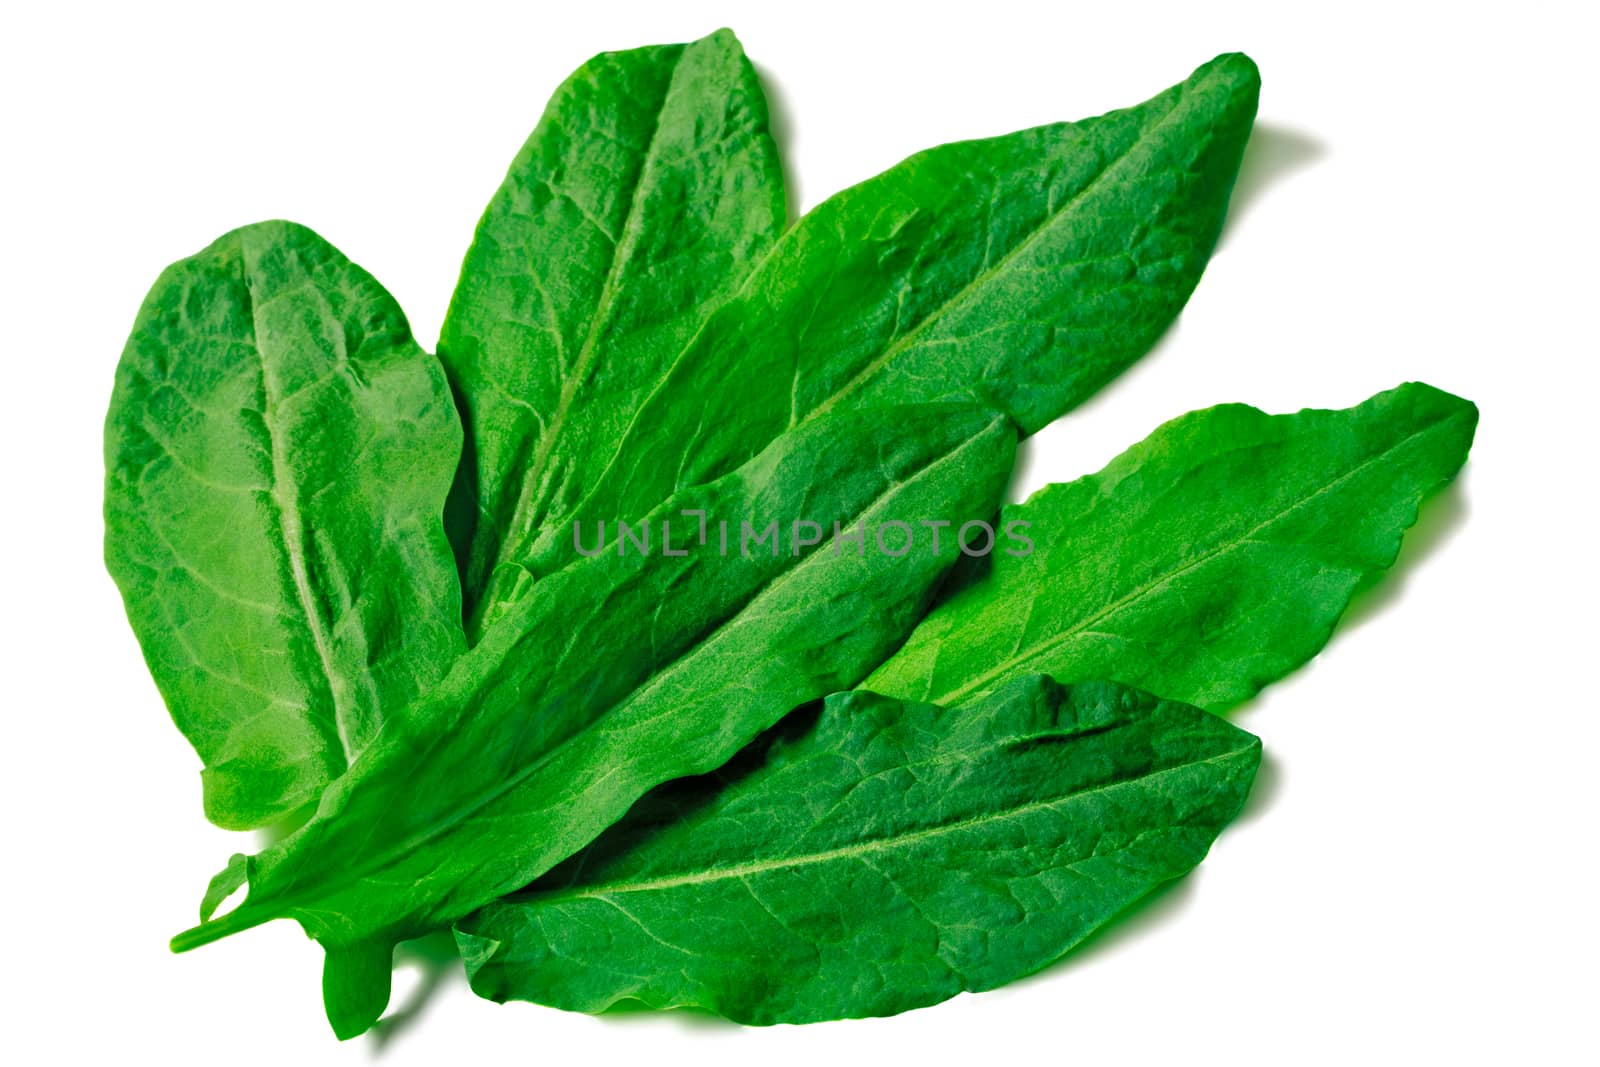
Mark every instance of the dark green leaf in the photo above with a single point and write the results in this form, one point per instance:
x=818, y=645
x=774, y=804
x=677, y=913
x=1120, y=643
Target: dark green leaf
x=646, y=193
x=623, y=671
x=1211, y=558
x=889, y=856
x=278, y=451
x=1020, y=273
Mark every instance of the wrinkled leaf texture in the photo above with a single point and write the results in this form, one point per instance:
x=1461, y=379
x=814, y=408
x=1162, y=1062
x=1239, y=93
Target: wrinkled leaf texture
x=816, y=879
x=610, y=364
x=648, y=189
x=1211, y=558
x=619, y=673
x=278, y=450
x=883, y=856
x=647, y=192
x=1019, y=272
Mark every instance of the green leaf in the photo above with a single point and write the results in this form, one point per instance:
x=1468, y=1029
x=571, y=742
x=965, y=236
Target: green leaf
x=645, y=195
x=278, y=452
x=355, y=986
x=1020, y=272
x=1211, y=558
x=223, y=884
x=885, y=856
x=623, y=671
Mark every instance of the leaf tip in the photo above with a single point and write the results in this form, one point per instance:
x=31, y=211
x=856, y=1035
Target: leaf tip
x=1236, y=69
x=355, y=986
x=476, y=950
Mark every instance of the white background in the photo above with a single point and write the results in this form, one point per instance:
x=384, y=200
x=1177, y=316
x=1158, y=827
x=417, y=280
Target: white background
x=1415, y=876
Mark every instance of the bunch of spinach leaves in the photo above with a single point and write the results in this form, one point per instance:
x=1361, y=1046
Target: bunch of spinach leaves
x=812, y=778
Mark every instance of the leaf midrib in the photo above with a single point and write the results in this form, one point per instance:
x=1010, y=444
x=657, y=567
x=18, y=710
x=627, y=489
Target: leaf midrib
x=1048, y=223
x=875, y=845
x=290, y=524
x=535, y=491
x=658, y=678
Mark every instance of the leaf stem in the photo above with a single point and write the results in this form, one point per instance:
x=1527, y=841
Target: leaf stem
x=241, y=918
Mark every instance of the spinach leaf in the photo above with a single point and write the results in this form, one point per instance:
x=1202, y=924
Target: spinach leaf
x=620, y=672
x=646, y=193
x=278, y=450
x=1211, y=558
x=884, y=856
x=634, y=336
x=1020, y=272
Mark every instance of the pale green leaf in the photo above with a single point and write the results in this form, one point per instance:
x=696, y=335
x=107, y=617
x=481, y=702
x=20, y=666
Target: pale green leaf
x=278, y=451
